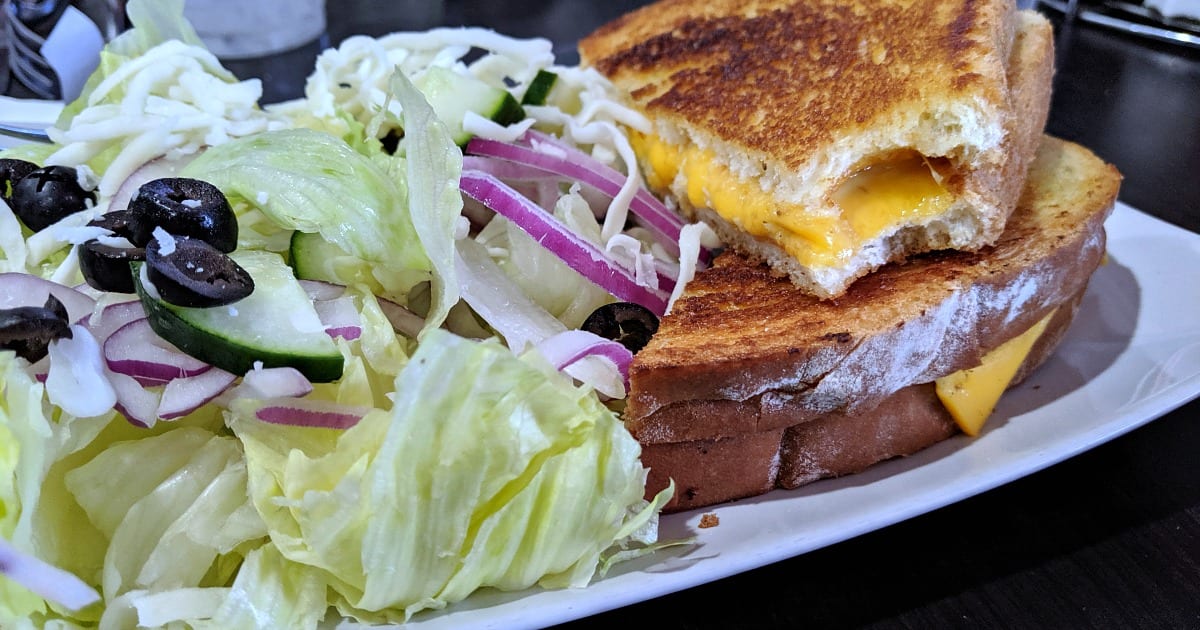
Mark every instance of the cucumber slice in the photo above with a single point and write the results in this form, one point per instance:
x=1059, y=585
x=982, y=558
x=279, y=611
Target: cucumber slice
x=539, y=88
x=313, y=257
x=452, y=95
x=276, y=324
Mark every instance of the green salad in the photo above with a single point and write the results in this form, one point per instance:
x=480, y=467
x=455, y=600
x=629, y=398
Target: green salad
x=389, y=378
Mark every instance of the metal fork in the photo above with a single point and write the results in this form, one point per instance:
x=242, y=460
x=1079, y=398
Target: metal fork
x=24, y=133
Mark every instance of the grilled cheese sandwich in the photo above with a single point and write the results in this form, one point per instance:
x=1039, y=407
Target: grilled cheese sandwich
x=750, y=384
x=829, y=138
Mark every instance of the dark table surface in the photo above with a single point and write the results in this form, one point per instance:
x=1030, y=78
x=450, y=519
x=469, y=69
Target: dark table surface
x=1107, y=539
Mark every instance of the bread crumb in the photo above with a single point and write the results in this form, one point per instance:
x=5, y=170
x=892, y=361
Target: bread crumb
x=709, y=520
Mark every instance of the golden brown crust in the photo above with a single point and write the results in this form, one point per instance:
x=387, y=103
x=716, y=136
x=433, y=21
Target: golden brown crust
x=715, y=470
x=1030, y=76
x=781, y=77
x=738, y=334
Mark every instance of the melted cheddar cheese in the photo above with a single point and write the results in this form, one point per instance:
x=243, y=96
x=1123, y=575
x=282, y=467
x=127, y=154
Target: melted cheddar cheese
x=971, y=395
x=872, y=201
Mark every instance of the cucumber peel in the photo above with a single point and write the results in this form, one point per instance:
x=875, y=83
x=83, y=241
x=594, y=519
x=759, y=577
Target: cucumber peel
x=275, y=325
x=452, y=95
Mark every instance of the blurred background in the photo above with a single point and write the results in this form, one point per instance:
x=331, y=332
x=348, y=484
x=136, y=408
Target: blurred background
x=47, y=47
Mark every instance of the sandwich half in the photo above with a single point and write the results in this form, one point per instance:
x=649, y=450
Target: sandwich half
x=750, y=384
x=828, y=138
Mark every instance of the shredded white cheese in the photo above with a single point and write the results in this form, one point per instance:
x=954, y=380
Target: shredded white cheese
x=690, y=239
x=166, y=242
x=170, y=101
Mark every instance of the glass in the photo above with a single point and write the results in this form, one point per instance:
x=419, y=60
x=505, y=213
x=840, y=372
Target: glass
x=236, y=29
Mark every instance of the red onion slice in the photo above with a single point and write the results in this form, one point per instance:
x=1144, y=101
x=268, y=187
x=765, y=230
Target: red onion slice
x=578, y=166
x=138, y=404
x=570, y=346
x=544, y=193
x=76, y=380
x=182, y=396
x=314, y=413
x=579, y=254
x=403, y=320
x=22, y=289
x=135, y=349
x=507, y=170
x=154, y=169
x=319, y=290
x=111, y=318
x=46, y=580
x=340, y=317
x=41, y=369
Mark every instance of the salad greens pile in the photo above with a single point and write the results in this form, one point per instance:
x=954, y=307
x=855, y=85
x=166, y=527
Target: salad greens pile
x=477, y=461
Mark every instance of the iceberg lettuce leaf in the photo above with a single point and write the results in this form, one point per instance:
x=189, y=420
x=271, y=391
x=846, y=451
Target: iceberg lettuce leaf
x=23, y=428
x=433, y=166
x=313, y=182
x=490, y=470
x=169, y=505
x=272, y=592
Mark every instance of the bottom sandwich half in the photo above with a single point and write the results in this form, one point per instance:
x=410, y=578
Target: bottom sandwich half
x=750, y=385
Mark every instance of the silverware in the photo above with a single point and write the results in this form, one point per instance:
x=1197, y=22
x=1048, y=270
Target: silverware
x=24, y=133
x=1129, y=18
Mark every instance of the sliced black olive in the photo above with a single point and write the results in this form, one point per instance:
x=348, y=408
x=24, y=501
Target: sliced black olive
x=630, y=325
x=196, y=274
x=391, y=140
x=28, y=330
x=115, y=221
x=47, y=195
x=11, y=172
x=106, y=267
x=183, y=207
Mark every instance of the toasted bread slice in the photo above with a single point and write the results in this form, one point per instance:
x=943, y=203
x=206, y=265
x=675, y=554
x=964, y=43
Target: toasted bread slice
x=743, y=352
x=710, y=471
x=771, y=119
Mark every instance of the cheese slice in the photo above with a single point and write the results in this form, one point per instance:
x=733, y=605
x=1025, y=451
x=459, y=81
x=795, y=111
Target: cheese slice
x=971, y=395
x=874, y=200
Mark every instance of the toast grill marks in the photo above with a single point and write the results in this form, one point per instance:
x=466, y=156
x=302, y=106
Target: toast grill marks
x=778, y=80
